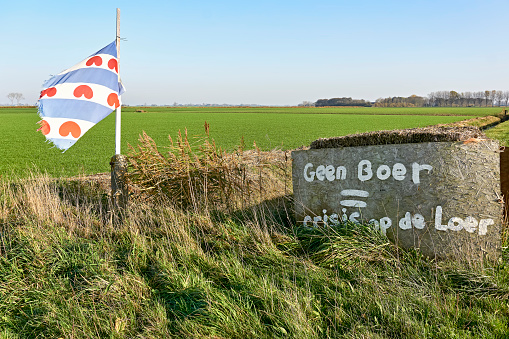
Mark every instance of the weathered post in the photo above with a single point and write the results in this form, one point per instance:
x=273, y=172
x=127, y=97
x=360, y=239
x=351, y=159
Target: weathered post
x=119, y=188
x=504, y=179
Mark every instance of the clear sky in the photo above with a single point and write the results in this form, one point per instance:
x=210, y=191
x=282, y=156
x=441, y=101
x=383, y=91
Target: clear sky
x=272, y=52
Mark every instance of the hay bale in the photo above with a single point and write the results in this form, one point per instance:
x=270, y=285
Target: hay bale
x=403, y=136
x=440, y=197
x=436, y=188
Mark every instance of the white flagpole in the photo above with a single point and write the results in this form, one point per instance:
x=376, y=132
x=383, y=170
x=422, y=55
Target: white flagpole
x=119, y=108
x=118, y=163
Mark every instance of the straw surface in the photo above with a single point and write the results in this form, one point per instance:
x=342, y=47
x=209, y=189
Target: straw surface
x=403, y=136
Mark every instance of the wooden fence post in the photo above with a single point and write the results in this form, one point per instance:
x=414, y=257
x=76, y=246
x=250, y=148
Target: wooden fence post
x=119, y=190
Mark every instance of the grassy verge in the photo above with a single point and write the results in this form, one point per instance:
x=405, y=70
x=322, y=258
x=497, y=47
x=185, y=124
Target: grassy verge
x=66, y=271
x=500, y=132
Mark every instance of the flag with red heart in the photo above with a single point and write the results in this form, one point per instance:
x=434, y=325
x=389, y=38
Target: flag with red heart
x=74, y=100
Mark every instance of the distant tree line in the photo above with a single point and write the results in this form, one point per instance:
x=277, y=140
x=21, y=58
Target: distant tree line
x=15, y=96
x=342, y=102
x=434, y=99
x=466, y=99
x=448, y=99
x=411, y=101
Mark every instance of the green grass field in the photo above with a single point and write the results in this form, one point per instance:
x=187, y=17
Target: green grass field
x=272, y=127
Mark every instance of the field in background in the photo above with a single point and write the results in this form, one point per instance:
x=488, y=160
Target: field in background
x=453, y=111
x=271, y=127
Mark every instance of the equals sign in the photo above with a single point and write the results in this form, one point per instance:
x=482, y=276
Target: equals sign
x=351, y=202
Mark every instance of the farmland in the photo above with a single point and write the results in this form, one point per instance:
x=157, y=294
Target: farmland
x=443, y=111
x=270, y=127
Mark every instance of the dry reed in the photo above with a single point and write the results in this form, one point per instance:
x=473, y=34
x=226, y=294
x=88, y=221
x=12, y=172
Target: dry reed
x=199, y=174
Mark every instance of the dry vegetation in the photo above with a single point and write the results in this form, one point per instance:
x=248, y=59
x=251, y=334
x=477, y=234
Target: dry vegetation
x=198, y=173
x=457, y=131
x=402, y=136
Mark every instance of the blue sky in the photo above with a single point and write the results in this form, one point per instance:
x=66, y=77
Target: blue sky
x=262, y=52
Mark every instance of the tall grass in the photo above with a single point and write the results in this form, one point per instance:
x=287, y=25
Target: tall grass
x=208, y=270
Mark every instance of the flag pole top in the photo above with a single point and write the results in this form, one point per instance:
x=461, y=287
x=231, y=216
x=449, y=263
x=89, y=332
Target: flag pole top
x=117, y=37
x=118, y=110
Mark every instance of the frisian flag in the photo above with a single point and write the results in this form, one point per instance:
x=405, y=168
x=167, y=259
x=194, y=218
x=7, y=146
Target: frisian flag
x=74, y=100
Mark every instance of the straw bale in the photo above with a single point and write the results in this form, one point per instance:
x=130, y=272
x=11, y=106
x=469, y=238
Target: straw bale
x=430, y=195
